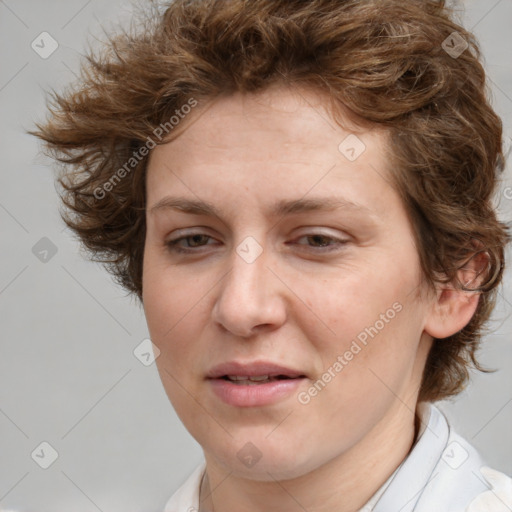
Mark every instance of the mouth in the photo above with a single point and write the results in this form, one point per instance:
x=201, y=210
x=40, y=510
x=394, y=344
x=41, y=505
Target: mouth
x=246, y=380
x=254, y=371
x=254, y=384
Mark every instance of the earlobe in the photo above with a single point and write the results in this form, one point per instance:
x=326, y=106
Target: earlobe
x=454, y=304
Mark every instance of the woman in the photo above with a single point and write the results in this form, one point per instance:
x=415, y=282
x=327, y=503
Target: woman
x=299, y=193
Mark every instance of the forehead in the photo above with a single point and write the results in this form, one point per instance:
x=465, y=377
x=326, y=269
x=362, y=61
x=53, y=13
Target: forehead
x=278, y=143
x=279, y=114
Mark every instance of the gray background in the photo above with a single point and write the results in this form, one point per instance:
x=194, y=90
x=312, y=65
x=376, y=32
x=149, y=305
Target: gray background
x=68, y=375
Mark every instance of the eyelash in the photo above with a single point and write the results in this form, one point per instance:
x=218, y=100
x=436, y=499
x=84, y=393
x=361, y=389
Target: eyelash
x=172, y=245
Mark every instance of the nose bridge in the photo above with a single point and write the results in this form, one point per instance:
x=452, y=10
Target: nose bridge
x=249, y=296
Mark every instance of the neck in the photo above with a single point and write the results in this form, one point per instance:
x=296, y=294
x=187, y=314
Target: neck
x=344, y=484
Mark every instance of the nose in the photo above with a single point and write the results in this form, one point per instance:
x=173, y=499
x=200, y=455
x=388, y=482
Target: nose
x=251, y=299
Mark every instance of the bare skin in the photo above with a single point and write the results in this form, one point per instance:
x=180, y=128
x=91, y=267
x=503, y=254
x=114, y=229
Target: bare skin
x=324, y=275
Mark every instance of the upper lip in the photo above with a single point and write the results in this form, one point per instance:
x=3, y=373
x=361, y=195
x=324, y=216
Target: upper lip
x=252, y=369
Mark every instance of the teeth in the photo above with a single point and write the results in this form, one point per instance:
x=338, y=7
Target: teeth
x=259, y=378
x=254, y=380
x=246, y=379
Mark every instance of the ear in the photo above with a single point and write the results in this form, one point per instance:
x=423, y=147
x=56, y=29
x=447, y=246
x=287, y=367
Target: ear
x=455, y=303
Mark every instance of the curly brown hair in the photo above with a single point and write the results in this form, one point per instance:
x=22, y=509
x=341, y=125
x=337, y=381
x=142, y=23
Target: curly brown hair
x=389, y=62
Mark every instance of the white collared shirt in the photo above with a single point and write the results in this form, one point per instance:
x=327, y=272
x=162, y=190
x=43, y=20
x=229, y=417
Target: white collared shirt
x=442, y=473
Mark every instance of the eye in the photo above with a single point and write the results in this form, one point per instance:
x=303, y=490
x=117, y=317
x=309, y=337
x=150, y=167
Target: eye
x=191, y=242
x=316, y=242
x=322, y=242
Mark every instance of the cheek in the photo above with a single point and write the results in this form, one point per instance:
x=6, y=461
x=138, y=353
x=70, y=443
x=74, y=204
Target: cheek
x=370, y=318
x=344, y=307
x=169, y=296
x=171, y=305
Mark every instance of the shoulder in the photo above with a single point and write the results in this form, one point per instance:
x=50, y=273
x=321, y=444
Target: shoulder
x=462, y=482
x=498, y=496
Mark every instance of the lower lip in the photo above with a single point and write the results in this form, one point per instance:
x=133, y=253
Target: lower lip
x=254, y=395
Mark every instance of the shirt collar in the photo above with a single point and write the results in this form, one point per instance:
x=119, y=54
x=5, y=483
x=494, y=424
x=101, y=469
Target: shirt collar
x=416, y=472
x=402, y=489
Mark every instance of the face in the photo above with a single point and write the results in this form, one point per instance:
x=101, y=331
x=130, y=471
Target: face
x=277, y=248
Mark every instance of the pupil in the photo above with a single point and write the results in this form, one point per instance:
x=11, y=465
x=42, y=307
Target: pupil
x=317, y=239
x=196, y=239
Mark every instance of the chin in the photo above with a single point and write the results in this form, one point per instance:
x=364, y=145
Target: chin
x=258, y=458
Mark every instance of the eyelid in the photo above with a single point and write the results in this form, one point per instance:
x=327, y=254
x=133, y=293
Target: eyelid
x=323, y=231
x=189, y=233
x=310, y=231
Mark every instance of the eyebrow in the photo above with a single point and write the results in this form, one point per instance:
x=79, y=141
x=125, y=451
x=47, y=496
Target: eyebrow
x=279, y=209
